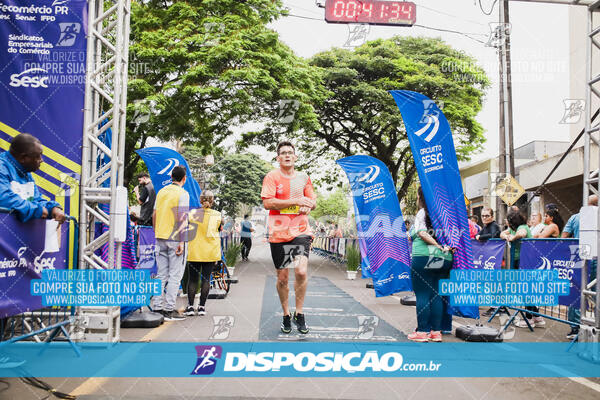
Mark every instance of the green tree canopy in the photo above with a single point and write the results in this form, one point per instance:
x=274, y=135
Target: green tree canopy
x=334, y=205
x=200, y=67
x=238, y=180
x=359, y=116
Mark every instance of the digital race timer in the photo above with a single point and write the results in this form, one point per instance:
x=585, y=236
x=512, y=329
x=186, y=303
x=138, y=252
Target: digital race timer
x=371, y=12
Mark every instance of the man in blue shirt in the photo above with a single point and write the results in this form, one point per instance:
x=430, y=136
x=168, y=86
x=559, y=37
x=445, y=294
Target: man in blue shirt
x=571, y=229
x=18, y=191
x=246, y=237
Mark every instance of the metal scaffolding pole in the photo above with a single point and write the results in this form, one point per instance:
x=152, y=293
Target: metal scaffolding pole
x=590, y=295
x=105, y=107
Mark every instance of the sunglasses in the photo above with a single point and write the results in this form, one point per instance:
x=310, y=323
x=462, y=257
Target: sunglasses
x=485, y=215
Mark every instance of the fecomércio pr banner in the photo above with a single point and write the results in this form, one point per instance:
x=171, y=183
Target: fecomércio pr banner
x=30, y=248
x=558, y=254
x=160, y=161
x=433, y=150
x=379, y=222
x=488, y=254
x=43, y=48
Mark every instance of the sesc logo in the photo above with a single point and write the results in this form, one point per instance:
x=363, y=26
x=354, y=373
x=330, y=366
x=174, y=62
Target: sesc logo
x=172, y=163
x=371, y=174
x=30, y=78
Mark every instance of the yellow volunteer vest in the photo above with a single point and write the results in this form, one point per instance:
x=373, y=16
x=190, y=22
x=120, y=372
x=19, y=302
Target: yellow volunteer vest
x=206, y=244
x=167, y=206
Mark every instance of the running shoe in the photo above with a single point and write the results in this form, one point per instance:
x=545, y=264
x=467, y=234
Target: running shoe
x=286, y=325
x=173, y=315
x=189, y=311
x=573, y=334
x=489, y=312
x=201, y=310
x=523, y=324
x=435, y=336
x=300, y=323
x=539, y=322
x=419, y=337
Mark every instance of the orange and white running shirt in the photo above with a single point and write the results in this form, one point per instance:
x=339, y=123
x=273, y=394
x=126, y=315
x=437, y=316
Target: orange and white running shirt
x=286, y=224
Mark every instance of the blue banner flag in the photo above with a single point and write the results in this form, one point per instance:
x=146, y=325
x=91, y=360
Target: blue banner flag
x=381, y=230
x=488, y=254
x=559, y=254
x=160, y=162
x=433, y=149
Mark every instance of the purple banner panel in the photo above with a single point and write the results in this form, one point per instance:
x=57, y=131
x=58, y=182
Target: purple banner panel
x=559, y=254
x=147, y=249
x=26, y=249
x=488, y=254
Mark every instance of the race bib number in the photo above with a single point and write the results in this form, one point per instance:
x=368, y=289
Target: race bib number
x=290, y=210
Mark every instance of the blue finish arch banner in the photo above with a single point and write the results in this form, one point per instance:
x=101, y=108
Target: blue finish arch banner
x=380, y=225
x=433, y=149
x=43, y=47
x=160, y=161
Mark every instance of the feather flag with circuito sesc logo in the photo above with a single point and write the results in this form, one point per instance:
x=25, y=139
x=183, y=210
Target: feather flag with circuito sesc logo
x=433, y=149
x=381, y=231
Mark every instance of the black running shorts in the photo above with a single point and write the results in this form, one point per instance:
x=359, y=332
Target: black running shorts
x=284, y=253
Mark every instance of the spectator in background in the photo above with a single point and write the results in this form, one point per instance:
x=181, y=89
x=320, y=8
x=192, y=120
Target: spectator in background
x=246, y=237
x=473, y=228
x=337, y=231
x=490, y=229
x=475, y=219
x=553, y=224
x=571, y=230
x=133, y=217
x=18, y=191
x=535, y=224
x=518, y=229
x=146, y=196
x=425, y=282
x=204, y=251
x=169, y=221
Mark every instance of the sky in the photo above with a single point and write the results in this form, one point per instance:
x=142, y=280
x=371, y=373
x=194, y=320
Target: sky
x=540, y=56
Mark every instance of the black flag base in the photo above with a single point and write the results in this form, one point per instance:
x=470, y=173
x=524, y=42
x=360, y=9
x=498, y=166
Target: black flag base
x=217, y=293
x=478, y=333
x=147, y=319
x=410, y=300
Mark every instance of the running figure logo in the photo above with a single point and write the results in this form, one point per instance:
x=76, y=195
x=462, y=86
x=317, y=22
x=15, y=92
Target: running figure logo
x=291, y=251
x=366, y=326
x=574, y=110
x=207, y=359
x=357, y=35
x=286, y=111
x=222, y=326
x=68, y=33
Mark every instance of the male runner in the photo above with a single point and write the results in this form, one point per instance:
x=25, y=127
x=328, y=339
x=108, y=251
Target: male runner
x=289, y=196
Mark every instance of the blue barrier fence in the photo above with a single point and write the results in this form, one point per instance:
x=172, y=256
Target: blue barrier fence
x=560, y=254
x=333, y=248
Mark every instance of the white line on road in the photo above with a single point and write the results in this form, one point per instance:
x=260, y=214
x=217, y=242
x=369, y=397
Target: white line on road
x=566, y=374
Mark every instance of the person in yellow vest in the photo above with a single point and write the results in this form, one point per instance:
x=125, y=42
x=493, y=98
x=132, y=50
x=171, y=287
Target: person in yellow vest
x=170, y=229
x=204, y=251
